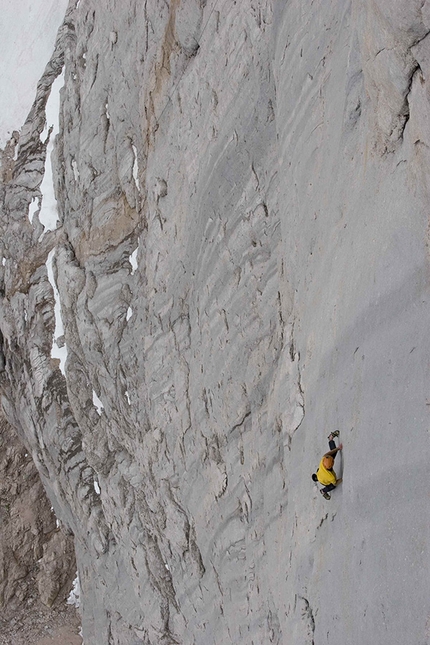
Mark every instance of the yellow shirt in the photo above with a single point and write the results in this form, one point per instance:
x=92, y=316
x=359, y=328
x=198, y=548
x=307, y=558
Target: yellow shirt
x=325, y=476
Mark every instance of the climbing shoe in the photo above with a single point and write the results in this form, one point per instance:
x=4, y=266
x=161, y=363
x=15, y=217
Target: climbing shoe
x=324, y=494
x=333, y=434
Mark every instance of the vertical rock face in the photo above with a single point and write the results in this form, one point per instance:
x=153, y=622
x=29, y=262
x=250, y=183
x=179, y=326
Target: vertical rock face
x=36, y=558
x=239, y=266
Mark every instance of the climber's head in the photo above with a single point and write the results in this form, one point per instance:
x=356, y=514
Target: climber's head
x=314, y=477
x=328, y=462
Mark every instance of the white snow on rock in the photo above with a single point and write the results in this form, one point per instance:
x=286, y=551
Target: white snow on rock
x=56, y=351
x=133, y=260
x=28, y=29
x=97, y=487
x=97, y=403
x=48, y=215
x=75, y=169
x=129, y=313
x=136, y=169
x=127, y=396
x=32, y=208
x=75, y=594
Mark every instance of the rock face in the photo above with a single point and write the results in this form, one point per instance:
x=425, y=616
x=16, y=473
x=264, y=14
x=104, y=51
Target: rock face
x=241, y=260
x=36, y=557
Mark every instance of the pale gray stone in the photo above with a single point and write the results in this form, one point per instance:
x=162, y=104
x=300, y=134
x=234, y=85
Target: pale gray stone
x=267, y=163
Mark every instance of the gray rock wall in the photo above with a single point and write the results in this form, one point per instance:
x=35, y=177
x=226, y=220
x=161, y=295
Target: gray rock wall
x=37, y=559
x=242, y=263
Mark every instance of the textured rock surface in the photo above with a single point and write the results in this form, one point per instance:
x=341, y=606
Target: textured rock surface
x=37, y=563
x=242, y=263
x=40, y=625
x=35, y=555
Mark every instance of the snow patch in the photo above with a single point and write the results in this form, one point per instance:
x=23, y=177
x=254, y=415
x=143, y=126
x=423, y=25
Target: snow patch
x=136, y=168
x=127, y=396
x=107, y=110
x=32, y=208
x=129, y=313
x=3, y=261
x=44, y=134
x=97, y=487
x=75, y=169
x=97, y=403
x=48, y=215
x=57, y=351
x=133, y=260
x=75, y=594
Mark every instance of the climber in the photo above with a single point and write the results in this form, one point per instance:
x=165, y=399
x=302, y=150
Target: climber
x=325, y=474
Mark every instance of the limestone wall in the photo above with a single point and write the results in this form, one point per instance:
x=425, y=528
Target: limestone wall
x=241, y=258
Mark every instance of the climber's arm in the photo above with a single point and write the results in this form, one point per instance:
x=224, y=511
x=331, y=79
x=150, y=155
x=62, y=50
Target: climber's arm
x=333, y=452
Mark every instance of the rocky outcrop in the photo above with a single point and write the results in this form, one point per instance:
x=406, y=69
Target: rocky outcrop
x=36, y=558
x=239, y=265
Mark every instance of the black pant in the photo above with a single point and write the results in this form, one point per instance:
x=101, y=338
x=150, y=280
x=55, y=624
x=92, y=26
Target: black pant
x=330, y=487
